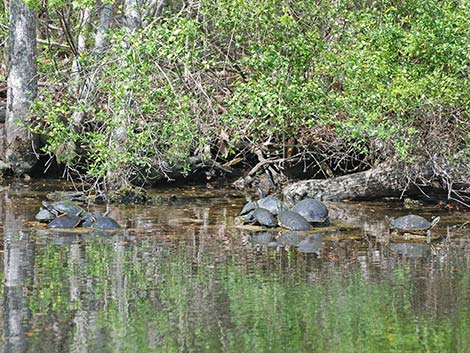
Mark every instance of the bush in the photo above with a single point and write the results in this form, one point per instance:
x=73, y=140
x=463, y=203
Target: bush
x=371, y=73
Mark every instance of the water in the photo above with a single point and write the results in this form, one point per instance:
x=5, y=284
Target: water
x=184, y=278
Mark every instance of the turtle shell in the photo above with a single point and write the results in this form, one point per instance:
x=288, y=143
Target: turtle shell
x=293, y=221
x=250, y=206
x=313, y=211
x=411, y=223
x=64, y=207
x=264, y=217
x=44, y=215
x=272, y=204
x=105, y=223
x=89, y=218
x=65, y=221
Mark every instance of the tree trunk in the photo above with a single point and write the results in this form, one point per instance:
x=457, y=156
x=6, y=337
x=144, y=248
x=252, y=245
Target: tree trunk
x=22, y=87
x=152, y=10
x=85, y=17
x=106, y=15
x=133, y=17
x=118, y=177
x=88, y=85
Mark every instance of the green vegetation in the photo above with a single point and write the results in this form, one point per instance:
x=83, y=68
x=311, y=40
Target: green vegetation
x=385, y=78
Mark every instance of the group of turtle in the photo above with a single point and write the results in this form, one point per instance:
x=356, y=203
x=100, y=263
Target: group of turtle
x=69, y=214
x=308, y=213
x=271, y=212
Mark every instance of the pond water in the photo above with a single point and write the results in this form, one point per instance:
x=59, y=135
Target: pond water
x=182, y=277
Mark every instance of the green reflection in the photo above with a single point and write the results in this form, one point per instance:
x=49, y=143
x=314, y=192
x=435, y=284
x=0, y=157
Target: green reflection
x=127, y=295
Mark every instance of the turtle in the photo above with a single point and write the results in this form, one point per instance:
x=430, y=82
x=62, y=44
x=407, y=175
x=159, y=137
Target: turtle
x=412, y=224
x=271, y=203
x=65, y=221
x=249, y=207
x=293, y=221
x=44, y=215
x=264, y=217
x=89, y=218
x=313, y=211
x=64, y=207
x=105, y=223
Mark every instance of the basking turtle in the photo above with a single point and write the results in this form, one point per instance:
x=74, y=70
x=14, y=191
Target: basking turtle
x=293, y=221
x=249, y=207
x=65, y=221
x=412, y=224
x=89, y=218
x=313, y=211
x=264, y=217
x=105, y=223
x=44, y=215
x=271, y=203
x=64, y=207
x=246, y=213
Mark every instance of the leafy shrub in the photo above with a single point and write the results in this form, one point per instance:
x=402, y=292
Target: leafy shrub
x=385, y=73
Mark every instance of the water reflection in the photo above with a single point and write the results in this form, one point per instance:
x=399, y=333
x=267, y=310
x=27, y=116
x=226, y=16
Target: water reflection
x=312, y=244
x=411, y=249
x=18, y=272
x=183, y=278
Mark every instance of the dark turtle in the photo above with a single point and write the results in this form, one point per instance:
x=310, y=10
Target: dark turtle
x=311, y=244
x=89, y=218
x=105, y=223
x=293, y=221
x=313, y=211
x=65, y=221
x=265, y=218
x=412, y=224
x=44, y=215
x=250, y=206
x=64, y=207
x=272, y=204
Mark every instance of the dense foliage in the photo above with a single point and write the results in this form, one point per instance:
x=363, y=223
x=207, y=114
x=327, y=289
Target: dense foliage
x=380, y=78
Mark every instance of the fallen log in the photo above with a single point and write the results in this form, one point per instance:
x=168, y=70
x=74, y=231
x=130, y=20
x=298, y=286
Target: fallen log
x=383, y=180
x=390, y=179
